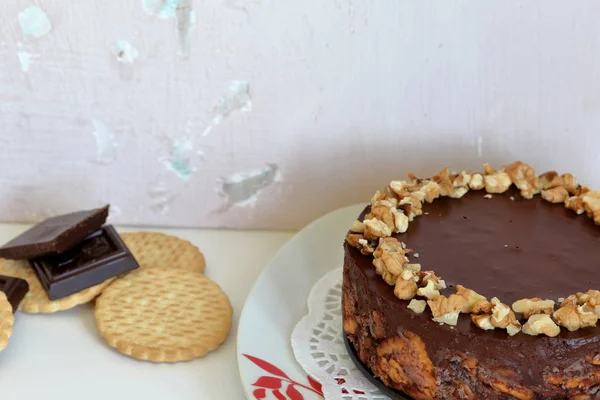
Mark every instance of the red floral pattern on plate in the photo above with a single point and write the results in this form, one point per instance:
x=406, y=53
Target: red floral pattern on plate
x=281, y=386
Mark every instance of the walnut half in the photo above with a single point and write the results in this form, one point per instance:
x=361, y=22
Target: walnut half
x=445, y=310
x=529, y=307
x=541, y=324
x=575, y=317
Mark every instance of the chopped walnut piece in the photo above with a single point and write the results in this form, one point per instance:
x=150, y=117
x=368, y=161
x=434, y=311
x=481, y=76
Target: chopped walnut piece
x=483, y=321
x=551, y=180
x=444, y=182
x=358, y=241
x=389, y=244
x=502, y=315
x=524, y=178
x=429, y=291
x=529, y=307
x=514, y=328
x=581, y=190
x=488, y=169
x=458, y=192
x=541, y=324
x=569, y=182
x=461, y=180
x=576, y=204
x=389, y=266
x=446, y=309
x=575, y=317
x=375, y=229
x=555, y=195
x=498, y=182
x=357, y=227
x=470, y=296
x=411, y=206
x=383, y=213
x=400, y=188
x=400, y=222
x=417, y=306
x=477, y=182
x=591, y=202
x=413, y=268
x=406, y=287
x=591, y=300
x=427, y=276
x=482, y=307
x=595, y=360
x=430, y=191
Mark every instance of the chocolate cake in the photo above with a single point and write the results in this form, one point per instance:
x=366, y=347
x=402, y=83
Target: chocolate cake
x=478, y=286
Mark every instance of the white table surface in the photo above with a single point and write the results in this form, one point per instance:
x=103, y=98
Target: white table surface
x=42, y=362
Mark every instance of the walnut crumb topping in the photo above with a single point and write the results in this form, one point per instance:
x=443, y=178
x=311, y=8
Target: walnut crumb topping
x=498, y=182
x=541, y=324
x=445, y=310
x=375, y=229
x=487, y=196
x=575, y=317
x=429, y=291
x=358, y=241
x=477, y=182
x=470, y=296
x=417, y=306
x=502, y=315
x=529, y=307
x=524, y=178
x=555, y=195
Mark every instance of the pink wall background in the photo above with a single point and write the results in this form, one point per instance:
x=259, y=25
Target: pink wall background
x=267, y=114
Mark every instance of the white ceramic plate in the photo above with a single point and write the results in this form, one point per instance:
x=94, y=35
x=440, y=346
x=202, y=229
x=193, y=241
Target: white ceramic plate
x=276, y=303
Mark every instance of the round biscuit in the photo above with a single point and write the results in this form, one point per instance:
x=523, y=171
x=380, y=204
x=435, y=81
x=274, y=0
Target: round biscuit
x=164, y=315
x=155, y=249
x=7, y=320
x=36, y=301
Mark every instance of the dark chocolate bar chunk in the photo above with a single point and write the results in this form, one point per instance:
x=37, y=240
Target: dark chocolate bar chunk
x=15, y=289
x=55, y=235
x=100, y=256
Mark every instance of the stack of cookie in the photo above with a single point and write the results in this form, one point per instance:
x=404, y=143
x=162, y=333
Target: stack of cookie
x=153, y=301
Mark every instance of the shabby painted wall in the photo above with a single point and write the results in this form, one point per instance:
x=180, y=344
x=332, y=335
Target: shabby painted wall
x=267, y=114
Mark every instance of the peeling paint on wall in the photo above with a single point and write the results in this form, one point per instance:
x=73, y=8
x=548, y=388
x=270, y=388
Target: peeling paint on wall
x=160, y=197
x=34, y=22
x=105, y=143
x=238, y=99
x=125, y=51
x=180, y=160
x=186, y=21
x=26, y=58
x=242, y=189
x=160, y=8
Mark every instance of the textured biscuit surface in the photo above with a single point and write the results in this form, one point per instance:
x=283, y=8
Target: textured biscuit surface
x=7, y=319
x=36, y=301
x=164, y=315
x=155, y=249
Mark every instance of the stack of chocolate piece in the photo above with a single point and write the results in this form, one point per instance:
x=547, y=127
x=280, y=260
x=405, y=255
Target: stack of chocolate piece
x=68, y=253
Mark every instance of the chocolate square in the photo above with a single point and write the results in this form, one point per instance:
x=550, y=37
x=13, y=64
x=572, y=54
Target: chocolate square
x=100, y=256
x=55, y=235
x=15, y=290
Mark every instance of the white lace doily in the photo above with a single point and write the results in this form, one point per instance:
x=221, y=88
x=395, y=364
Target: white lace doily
x=319, y=347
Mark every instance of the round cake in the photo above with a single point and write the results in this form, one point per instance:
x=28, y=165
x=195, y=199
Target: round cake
x=478, y=286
